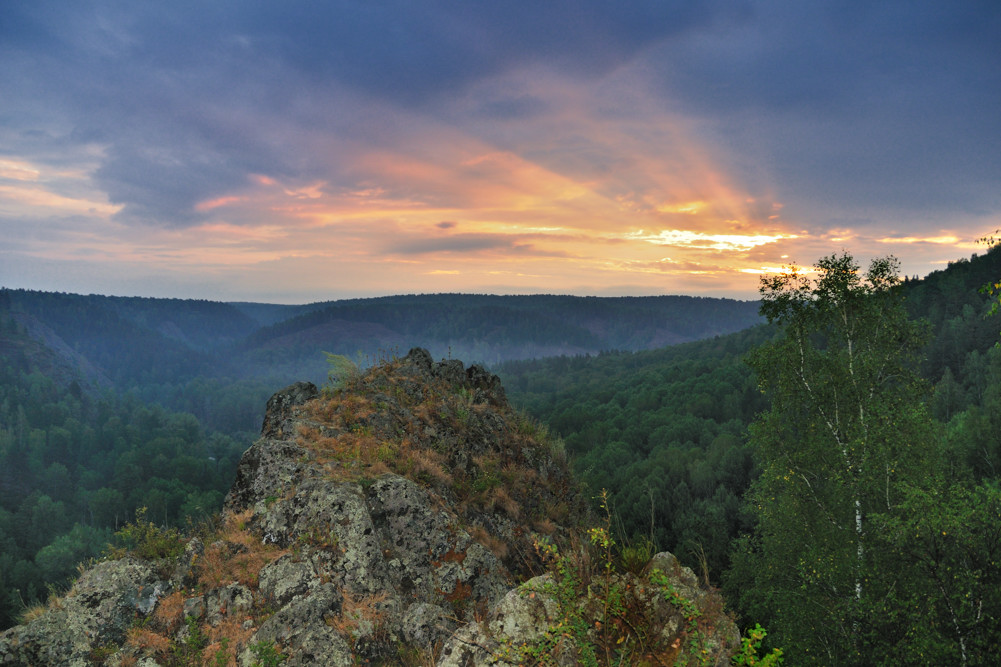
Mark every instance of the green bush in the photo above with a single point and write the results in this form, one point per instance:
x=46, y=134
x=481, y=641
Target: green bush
x=144, y=539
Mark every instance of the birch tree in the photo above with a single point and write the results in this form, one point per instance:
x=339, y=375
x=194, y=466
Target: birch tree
x=846, y=429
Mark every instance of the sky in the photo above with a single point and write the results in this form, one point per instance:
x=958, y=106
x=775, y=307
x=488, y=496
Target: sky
x=301, y=151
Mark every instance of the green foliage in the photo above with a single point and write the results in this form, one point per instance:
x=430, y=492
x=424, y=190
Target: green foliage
x=566, y=588
x=946, y=540
x=635, y=556
x=221, y=657
x=266, y=654
x=860, y=554
x=663, y=431
x=74, y=466
x=100, y=654
x=189, y=650
x=602, y=617
x=490, y=329
x=831, y=447
x=144, y=539
x=340, y=370
x=749, y=645
x=992, y=288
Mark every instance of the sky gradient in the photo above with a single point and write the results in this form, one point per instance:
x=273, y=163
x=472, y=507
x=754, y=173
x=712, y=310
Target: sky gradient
x=295, y=152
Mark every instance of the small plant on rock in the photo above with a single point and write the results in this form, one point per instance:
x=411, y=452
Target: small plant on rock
x=266, y=654
x=749, y=645
x=144, y=539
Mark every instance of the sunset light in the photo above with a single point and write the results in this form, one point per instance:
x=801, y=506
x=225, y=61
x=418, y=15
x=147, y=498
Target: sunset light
x=664, y=160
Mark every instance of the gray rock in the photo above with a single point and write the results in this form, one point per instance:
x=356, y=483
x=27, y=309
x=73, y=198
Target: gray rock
x=195, y=607
x=429, y=558
x=300, y=629
x=282, y=407
x=525, y=614
x=231, y=600
x=185, y=574
x=332, y=515
x=267, y=470
x=426, y=625
x=97, y=611
x=286, y=578
x=521, y=617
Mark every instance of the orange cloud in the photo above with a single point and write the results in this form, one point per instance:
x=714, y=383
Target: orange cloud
x=215, y=203
x=17, y=170
x=36, y=197
x=690, y=239
x=948, y=239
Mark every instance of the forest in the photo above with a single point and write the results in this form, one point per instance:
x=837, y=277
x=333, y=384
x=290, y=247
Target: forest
x=75, y=467
x=681, y=436
x=113, y=404
x=108, y=405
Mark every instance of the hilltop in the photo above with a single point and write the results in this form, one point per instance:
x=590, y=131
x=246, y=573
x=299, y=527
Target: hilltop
x=409, y=516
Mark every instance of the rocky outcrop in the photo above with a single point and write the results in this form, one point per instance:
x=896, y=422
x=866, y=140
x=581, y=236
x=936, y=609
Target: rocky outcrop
x=410, y=517
x=97, y=612
x=681, y=622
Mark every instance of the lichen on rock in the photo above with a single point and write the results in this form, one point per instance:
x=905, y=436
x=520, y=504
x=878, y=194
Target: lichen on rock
x=395, y=519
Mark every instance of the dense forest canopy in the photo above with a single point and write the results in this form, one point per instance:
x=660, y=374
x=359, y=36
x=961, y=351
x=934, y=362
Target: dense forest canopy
x=75, y=466
x=110, y=404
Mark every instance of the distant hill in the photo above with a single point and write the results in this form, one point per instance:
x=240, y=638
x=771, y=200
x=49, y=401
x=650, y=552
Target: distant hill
x=492, y=329
x=137, y=341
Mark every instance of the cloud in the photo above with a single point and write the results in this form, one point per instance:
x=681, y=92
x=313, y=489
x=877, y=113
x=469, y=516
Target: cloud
x=853, y=107
x=470, y=244
x=947, y=239
x=689, y=239
x=583, y=137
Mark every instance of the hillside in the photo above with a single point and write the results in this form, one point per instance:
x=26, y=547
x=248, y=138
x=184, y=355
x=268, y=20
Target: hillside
x=491, y=329
x=140, y=341
x=221, y=361
x=665, y=430
x=411, y=517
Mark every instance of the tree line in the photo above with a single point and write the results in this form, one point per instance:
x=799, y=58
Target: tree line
x=858, y=517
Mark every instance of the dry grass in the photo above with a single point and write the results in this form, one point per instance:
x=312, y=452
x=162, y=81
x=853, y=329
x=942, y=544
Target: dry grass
x=545, y=526
x=499, y=497
x=222, y=564
x=496, y=545
x=344, y=409
x=33, y=612
x=432, y=464
x=356, y=453
x=229, y=638
x=357, y=612
x=147, y=642
x=169, y=613
x=307, y=435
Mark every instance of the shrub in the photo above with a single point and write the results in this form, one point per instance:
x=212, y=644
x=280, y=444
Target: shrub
x=144, y=539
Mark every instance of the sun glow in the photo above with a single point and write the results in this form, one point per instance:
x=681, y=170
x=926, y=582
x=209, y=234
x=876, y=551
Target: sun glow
x=688, y=239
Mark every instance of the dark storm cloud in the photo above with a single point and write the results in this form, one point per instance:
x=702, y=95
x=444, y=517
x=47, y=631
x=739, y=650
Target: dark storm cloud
x=890, y=104
x=469, y=244
x=162, y=84
x=839, y=105
x=412, y=51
